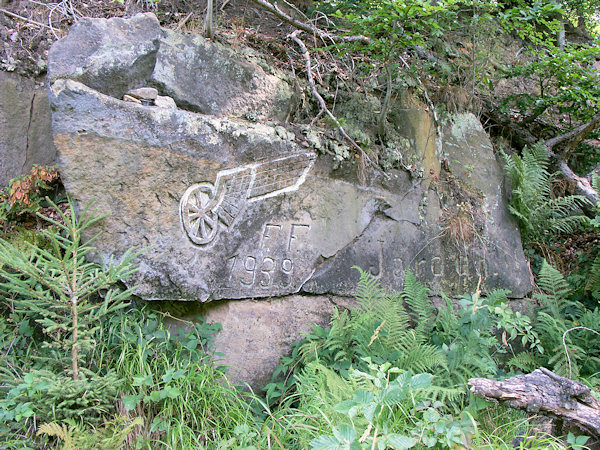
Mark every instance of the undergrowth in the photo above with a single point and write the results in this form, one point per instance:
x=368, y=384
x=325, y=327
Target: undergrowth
x=83, y=366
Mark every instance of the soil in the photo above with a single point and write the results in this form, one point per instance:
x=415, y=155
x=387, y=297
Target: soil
x=29, y=27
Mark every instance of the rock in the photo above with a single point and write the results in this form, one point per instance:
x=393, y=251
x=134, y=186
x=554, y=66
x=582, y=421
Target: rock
x=212, y=79
x=249, y=216
x=265, y=329
x=163, y=101
x=129, y=98
x=236, y=210
x=115, y=55
x=26, y=137
x=146, y=93
x=111, y=56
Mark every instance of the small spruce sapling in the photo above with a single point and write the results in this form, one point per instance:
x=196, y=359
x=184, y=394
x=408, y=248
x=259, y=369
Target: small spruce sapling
x=59, y=287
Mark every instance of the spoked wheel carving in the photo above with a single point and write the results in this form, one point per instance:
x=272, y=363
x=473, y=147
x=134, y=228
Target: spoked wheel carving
x=197, y=210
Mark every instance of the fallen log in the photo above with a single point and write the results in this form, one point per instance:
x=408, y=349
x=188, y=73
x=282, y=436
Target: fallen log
x=544, y=392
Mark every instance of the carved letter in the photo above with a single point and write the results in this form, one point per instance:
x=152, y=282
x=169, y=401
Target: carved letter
x=231, y=263
x=266, y=235
x=268, y=265
x=287, y=267
x=398, y=269
x=379, y=267
x=293, y=232
x=436, y=266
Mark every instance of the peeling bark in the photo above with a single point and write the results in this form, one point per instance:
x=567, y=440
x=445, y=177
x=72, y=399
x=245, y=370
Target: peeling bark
x=546, y=393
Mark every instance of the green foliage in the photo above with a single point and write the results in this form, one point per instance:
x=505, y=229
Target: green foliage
x=379, y=329
x=567, y=84
x=170, y=381
x=537, y=22
x=480, y=335
x=393, y=412
x=540, y=214
x=51, y=396
x=394, y=25
x=113, y=435
x=454, y=346
x=58, y=289
x=563, y=326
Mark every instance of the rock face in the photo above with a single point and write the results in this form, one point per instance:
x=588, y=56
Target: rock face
x=115, y=55
x=26, y=137
x=232, y=209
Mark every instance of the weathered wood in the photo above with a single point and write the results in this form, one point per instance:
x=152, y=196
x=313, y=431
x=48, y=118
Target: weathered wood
x=546, y=393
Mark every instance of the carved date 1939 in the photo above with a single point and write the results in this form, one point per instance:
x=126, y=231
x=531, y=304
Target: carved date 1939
x=271, y=265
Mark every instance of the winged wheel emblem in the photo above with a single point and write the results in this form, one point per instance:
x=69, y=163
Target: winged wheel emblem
x=205, y=208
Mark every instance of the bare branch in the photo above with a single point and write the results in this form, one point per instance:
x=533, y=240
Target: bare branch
x=572, y=139
x=25, y=19
x=323, y=106
x=312, y=30
x=582, y=184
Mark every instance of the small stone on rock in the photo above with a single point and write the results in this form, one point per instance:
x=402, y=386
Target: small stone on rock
x=162, y=101
x=129, y=98
x=146, y=93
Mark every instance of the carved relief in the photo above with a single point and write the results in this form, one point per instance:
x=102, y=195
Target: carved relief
x=270, y=266
x=204, y=209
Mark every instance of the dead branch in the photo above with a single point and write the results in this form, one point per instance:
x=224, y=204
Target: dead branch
x=582, y=184
x=312, y=30
x=24, y=19
x=323, y=106
x=544, y=392
x=573, y=138
x=520, y=136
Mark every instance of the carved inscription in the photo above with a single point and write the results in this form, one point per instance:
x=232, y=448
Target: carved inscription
x=204, y=209
x=461, y=272
x=271, y=265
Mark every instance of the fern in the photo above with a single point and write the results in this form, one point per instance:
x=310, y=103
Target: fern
x=402, y=345
x=415, y=295
x=73, y=436
x=62, y=432
x=555, y=287
x=540, y=215
x=524, y=361
x=593, y=281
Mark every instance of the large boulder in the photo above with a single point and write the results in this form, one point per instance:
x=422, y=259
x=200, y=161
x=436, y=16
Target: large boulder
x=26, y=137
x=230, y=209
x=115, y=55
x=111, y=56
x=234, y=210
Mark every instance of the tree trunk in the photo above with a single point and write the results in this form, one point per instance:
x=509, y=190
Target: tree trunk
x=75, y=344
x=546, y=393
x=209, y=23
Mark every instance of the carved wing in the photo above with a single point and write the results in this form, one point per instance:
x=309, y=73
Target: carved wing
x=204, y=206
x=280, y=175
x=235, y=187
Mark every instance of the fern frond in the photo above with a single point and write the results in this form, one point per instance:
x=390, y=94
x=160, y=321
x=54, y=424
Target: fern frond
x=415, y=295
x=421, y=358
x=497, y=296
x=368, y=291
x=532, y=202
x=593, y=282
x=60, y=431
x=446, y=322
x=555, y=287
x=524, y=361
